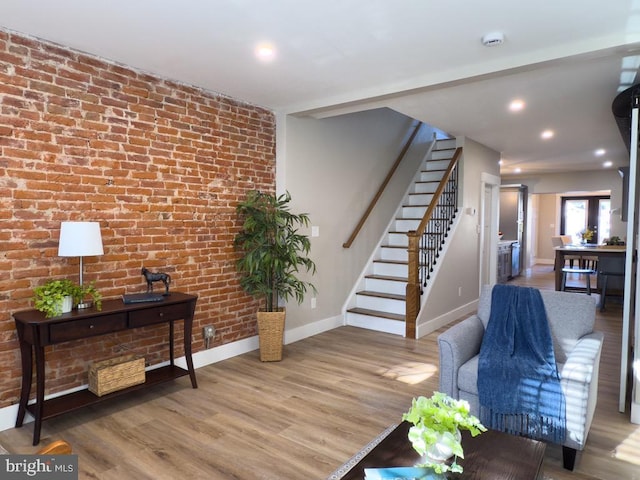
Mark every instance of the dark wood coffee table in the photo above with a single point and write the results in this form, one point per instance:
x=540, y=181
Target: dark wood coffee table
x=491, y=455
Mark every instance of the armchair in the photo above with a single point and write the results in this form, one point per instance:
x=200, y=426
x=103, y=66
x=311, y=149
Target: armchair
x=577, y=351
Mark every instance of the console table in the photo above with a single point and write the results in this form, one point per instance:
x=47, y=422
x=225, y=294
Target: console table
x=35, y=332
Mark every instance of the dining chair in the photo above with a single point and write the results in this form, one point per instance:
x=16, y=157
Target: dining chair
x=560, y=241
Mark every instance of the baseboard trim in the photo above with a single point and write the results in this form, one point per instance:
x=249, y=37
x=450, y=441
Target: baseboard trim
x=545, y=261
x=434, y=324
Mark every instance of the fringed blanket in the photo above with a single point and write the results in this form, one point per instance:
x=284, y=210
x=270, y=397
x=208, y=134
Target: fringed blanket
x=518, y=381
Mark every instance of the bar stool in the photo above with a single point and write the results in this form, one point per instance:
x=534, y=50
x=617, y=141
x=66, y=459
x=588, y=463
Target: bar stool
x=580, y=271
x=605, y=277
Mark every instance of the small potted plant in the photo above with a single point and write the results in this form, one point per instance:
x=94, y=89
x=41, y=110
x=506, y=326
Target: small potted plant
x=59, y=296
x=273, y=252
x=615, y=240
x=435, y=433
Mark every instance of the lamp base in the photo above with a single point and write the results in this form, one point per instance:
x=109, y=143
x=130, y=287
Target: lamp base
x=83, y=305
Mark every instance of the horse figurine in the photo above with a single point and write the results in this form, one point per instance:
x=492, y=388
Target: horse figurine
x=156, y=277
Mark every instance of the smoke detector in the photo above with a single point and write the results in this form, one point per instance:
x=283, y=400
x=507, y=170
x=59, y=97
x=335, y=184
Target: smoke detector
x=493, y=39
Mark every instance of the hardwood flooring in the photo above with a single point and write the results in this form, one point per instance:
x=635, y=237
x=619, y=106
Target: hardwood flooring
x=303, y=417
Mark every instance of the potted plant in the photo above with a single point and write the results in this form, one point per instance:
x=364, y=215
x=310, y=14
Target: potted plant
x=59, y=296
x=615, y=240
x=435, y=433
x=272, y=254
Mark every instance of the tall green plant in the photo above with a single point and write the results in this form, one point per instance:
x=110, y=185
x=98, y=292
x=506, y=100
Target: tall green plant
x=273, y=252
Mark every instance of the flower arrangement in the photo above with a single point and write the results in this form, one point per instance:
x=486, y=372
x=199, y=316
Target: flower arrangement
x=437, y=421
x=586, y=234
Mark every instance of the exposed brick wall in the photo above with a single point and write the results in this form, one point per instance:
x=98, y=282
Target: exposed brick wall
x=159, y=164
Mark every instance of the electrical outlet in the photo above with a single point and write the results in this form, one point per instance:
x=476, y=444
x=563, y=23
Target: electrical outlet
x=209, y=331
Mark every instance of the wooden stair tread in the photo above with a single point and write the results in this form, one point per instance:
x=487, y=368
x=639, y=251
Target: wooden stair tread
x=375, y=313
x=393, y=262
x=389, y=278
x=389, y=296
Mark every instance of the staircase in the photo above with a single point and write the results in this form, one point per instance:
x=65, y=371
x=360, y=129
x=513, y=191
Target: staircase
x=380, y=303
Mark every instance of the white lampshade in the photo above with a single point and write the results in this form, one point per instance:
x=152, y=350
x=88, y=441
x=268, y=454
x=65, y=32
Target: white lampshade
x=80, y=239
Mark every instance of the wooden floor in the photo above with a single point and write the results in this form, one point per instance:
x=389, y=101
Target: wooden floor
x=303, y=417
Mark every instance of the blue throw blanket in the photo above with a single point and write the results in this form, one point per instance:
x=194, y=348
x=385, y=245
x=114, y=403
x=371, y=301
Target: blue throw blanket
x=518, y=381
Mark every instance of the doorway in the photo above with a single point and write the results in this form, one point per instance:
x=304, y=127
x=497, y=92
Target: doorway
x=488, y=224
x=513, y=223
x=583, y=213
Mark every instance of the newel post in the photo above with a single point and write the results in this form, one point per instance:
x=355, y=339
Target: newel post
x=413, y=286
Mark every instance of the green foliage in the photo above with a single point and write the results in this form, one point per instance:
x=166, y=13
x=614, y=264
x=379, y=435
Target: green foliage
x=89, y=290
x=48, y=297
x=273, y=252
x=439, y=419
x=614, y=241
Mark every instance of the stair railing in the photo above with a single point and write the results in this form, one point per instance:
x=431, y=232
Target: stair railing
x=380, y=191
x=426, y=242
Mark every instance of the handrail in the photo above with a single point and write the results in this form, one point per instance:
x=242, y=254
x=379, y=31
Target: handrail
x=438, y=193
x=413, y=289
x=378, y=194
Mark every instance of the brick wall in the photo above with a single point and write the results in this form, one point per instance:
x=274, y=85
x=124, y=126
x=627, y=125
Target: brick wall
x=159, y=164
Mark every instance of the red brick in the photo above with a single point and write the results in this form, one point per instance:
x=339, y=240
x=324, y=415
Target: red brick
x=138, y=154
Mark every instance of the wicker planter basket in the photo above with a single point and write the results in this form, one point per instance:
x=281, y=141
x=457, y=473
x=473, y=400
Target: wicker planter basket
x=271, y=335
x=116, y=374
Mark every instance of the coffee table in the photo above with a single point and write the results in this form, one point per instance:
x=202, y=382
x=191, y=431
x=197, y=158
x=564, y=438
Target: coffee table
x=491, y=455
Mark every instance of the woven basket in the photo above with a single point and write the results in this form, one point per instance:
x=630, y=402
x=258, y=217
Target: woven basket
x=115, y=374
x=271, y=335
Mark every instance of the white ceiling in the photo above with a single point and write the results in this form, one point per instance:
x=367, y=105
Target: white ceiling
x=421, y=57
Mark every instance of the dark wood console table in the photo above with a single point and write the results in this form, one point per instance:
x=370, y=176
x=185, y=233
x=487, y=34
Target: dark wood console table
x=35, y=332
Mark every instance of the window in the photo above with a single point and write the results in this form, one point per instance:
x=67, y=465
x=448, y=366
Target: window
x=580, y=213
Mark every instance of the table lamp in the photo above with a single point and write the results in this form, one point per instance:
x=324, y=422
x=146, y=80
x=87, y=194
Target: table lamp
x=80, y=239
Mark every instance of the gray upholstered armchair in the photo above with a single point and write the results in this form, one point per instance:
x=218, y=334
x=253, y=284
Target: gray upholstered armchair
x=577, y=350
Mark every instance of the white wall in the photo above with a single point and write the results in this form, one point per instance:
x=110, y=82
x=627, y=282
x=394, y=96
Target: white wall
x=333, y=167
x=546, y=227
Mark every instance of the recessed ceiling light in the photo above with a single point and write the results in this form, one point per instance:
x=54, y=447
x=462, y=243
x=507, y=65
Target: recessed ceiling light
x=547, y=134
x=517, y=170
x=265, y=52
x=607, y=164
x=599, y=152
x=516, y=105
